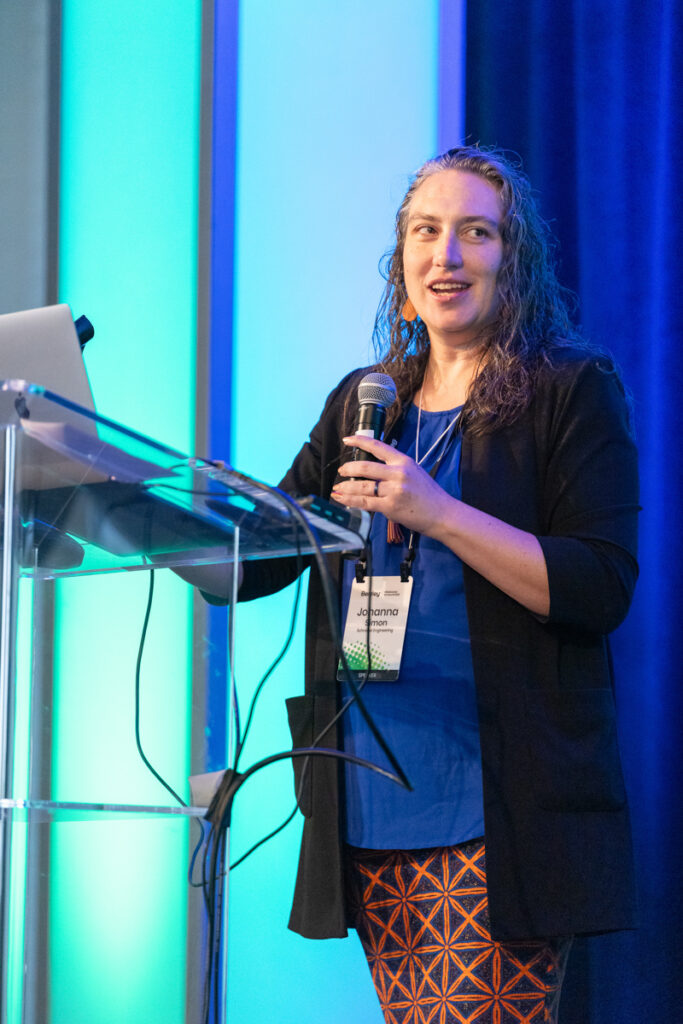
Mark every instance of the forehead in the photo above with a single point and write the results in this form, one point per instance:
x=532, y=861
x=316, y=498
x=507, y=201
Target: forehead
x=456, y=193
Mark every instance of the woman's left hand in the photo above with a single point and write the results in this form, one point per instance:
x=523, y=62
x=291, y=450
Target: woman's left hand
x=510, y=558
x=395, y=486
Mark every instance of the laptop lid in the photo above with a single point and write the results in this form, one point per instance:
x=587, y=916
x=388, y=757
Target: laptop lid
x=40, y=346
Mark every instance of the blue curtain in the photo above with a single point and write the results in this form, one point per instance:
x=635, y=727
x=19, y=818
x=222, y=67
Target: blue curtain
x=586, y=92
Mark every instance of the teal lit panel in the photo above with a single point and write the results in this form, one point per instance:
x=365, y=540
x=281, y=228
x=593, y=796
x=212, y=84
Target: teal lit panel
x=128, y=255
x=336, y=106
x=119, y=949
x=128, y=204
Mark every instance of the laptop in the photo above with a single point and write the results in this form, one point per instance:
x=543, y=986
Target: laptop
x=41, y=346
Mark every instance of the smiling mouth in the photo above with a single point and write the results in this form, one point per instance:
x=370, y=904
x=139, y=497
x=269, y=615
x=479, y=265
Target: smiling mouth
x=448, y=287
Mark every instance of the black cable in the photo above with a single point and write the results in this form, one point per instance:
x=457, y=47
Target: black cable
x=138, y=744
x=252, y=709
x=221, y=808
x=203, y=832
x=333, y=721
x=311, y=533
x=328, y=725
x=222, y=881
x=274, y=664
x=213, y=879
x=314, y=541
x=332, y=618
x=265, y=839
x=361, y=684
x=213, y=932
x=239, y=741
x=267, y=674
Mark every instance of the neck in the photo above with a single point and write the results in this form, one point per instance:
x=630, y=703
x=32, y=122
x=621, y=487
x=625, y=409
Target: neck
x=448, y=376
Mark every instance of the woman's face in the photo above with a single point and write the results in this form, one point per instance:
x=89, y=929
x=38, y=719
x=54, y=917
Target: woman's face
x=452, y=253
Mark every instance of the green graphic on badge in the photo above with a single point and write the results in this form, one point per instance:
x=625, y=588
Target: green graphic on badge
x=357, y=657
x=376, y=618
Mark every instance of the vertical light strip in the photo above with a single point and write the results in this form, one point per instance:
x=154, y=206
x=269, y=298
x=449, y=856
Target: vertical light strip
x=337, y=103
x=451, y=92
x=20, y=779
x=128, y=256
x=221, y=348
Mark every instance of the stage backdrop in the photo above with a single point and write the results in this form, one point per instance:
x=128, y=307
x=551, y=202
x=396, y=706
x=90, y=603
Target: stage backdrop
x=588, y=92
x=266, y=242
x=229, y=175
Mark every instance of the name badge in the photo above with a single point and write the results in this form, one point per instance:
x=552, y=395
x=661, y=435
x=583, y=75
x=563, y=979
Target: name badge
x=386, y=619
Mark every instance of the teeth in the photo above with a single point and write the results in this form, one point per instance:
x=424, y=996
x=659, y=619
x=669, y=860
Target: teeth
x=454, y=287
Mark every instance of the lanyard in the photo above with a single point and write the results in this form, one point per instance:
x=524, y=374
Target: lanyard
x=410, y=551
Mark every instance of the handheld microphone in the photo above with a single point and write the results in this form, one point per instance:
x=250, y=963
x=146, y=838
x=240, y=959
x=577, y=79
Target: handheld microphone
x=376, y=393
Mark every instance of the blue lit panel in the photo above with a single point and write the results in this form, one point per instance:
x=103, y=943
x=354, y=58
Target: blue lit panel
x=336, y=106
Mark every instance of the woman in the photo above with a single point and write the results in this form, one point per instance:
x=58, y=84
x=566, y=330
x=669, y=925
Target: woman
x=511, y=480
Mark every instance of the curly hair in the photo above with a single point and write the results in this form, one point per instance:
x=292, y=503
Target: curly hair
x=533, y=316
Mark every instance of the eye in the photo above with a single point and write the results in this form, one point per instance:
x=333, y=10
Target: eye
x=425, y=229
x=477, y=231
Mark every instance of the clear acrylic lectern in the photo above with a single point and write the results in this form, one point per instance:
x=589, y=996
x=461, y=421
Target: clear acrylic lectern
x=84, y=495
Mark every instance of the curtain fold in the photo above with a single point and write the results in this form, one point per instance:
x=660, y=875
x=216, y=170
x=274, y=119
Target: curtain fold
x=586, y=91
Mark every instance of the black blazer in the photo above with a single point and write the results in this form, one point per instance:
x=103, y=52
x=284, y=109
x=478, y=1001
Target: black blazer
x=558, y=849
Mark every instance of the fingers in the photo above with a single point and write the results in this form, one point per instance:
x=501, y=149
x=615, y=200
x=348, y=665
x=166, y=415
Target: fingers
x=395, y=485
x=363, y=493
x=379, y=449
x=388, y=457
x=367, y=470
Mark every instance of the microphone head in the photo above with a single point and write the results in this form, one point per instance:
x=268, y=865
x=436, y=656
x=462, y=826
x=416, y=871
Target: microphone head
x=377, y=389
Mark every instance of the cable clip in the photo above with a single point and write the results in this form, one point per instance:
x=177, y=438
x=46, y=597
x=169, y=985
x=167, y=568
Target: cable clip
x=408, y=559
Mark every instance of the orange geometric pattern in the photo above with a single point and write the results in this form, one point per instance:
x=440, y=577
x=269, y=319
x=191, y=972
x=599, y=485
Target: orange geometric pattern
x=422, y=917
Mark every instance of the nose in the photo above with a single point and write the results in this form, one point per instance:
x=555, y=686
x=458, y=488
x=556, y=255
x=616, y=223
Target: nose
x=448, y=252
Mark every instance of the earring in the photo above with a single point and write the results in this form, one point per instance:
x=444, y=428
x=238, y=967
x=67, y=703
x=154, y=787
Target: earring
x=409, y=312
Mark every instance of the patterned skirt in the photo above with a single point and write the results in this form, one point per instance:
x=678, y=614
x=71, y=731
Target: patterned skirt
x=422, y=918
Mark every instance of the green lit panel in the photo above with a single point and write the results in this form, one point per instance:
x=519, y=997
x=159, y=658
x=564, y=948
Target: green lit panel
x=118, y=948
x=98, y=625
x=128, y=253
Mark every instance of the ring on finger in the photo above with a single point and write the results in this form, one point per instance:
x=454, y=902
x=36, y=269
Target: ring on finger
x=376, y=489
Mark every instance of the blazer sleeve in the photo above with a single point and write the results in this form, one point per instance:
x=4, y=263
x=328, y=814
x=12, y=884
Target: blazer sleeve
x=590, y=498
x=312, y=472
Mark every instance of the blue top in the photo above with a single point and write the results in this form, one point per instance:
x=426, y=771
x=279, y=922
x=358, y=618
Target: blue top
x=429, y=715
